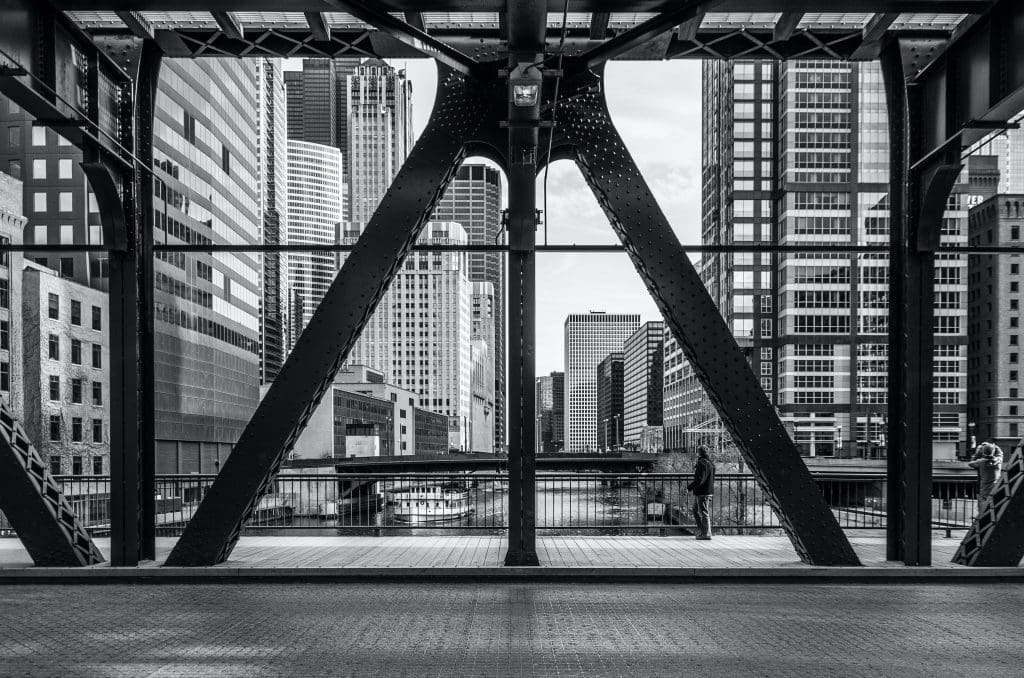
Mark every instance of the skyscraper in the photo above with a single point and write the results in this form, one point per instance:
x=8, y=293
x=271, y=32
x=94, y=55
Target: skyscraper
x=482, y=337
x=379, y=100
x=589, y=337
x=815, y=325
x=312, y=96
x=272, y=143
x=473, y=199
x=207, y=307
x=420, y=335
x=994, y=397
x=642, y=381
x=316, y=197
x=609, y=402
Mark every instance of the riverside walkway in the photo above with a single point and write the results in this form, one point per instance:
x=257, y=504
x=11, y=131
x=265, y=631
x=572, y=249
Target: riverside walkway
x=618, y=557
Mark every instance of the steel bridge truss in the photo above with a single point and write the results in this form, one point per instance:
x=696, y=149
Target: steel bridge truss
x=98, y=91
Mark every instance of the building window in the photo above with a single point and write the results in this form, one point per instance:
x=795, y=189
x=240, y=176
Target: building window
x=5, y=376
x=1014, y=232
x=54, y=387
x=14, y=166
x=39, y=168
x=97, y=356
x=54, y=347
x=64, y=168
x=766, y=328
x=38, y=136
x=225, y=159
x=55, y=427
x=76, y=312
x=97, y=393
x=97, y=430
x=76, y=429
x=54, y=308
x=97, y=318
x=56, y=468
x=5, y=293
x=39, y=203
x=67, y=267
x=76, y=352
x=76, y=391
x=76, y=464
x=5, y=256
x=65, y=201
x=97, y=466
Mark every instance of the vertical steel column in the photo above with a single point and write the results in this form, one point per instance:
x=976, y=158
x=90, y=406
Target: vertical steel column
x=126, y=205
x=526, y=21
x=918, y=194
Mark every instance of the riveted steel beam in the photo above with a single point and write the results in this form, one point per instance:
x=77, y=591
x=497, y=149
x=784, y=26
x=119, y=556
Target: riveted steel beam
x=460, y=112
x=787, y=23
x=34, y=504
x=586, y=127
x=318, y=26
x=641, y=33
x=229, y=24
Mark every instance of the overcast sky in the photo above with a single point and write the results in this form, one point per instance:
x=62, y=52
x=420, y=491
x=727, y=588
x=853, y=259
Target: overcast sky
x=656, y=107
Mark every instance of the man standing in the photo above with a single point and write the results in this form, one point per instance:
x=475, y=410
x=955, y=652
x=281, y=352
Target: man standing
x=988, y=459
x=702, y=487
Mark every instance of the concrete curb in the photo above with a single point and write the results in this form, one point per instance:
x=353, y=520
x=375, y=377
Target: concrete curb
x=221, y=574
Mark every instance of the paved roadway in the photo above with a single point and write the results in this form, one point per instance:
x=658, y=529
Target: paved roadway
x=512, y=629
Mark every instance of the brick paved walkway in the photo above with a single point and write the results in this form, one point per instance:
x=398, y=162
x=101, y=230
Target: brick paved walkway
x=512, y=629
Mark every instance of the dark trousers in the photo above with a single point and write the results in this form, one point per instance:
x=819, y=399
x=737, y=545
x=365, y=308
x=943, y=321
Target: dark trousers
x=702, y=514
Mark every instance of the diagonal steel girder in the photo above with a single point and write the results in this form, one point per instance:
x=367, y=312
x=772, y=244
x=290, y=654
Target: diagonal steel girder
x=994, y=538
x=585, y=128
x=461, y=111
x=35, y=506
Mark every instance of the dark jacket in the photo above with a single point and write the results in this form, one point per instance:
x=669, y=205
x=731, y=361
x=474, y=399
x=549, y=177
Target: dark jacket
x=703, y=478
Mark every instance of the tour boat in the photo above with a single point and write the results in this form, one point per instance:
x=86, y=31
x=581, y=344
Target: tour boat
x=430, y=503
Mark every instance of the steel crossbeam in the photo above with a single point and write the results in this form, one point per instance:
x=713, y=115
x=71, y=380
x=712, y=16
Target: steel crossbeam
x=586, y=128
x=994, y=538
x=460, y=111
x=34, y=504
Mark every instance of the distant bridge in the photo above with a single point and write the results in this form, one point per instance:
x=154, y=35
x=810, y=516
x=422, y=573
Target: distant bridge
x=610, y=463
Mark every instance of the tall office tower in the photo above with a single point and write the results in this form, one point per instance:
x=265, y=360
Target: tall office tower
x=482, y=338
x=312, y=95
x=1006, y=151
x=643, y=382
x=379, y=135
x=343, y=67
x=206, y=306
x=421, y=333
x=609, y=402
x=316, y=196
x=994, y=402
x=814, y=325
x=272, y=145
x=557, y=414
x=543, y=399
x=58, y=204
x=589, y=337
x=473, y=199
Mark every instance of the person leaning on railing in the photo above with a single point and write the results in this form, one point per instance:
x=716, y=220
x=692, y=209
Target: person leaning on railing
x=702, y=487
x=988, y=460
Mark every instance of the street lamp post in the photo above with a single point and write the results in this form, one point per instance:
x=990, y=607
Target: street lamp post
x=618, y=438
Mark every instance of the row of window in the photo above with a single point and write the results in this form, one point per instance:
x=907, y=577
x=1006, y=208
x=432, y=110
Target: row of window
x=77, y=429
x=57, y=465
x=75, y=316
x=77, y=386
x=53, y=351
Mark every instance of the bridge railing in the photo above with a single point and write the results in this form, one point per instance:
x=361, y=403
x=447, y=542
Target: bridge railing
x=428, y=503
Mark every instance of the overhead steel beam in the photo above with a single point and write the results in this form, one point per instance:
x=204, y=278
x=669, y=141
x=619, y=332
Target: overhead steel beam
x=872, y=35
x=641, y=33
x=974, y=81
x=415, y=38
x=318, y=26
x=599, y=25
x=461, y=110
x=229, y=24
x=586, y=127
x=415, y=19
x=552, y=6
x=137, y=24
x=786, y=24
x=689, y=29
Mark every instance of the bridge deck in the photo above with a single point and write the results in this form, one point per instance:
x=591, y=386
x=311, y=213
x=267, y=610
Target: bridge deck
x=577, y=553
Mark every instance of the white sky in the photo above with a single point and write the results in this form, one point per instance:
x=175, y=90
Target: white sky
x=656, y=107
